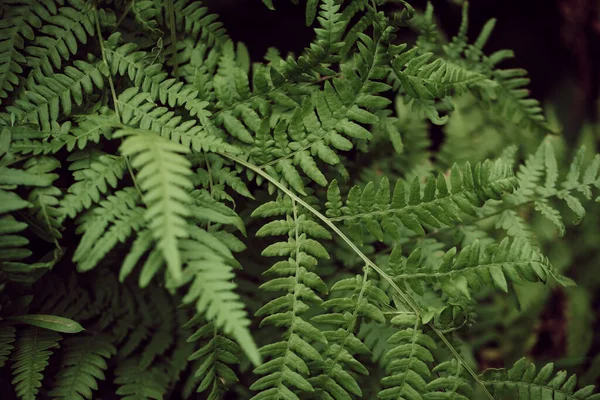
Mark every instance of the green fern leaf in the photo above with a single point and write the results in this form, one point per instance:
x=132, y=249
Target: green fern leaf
x=213, y=291
x=33, y=348
x=84, y=362
x=522, y=381
x=164, y=179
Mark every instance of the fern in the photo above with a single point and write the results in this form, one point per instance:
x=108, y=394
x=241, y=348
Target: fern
x=146, y=156
x=83, y=363
x=379, y=212
x=213, y=372
x=287, y=368
x=523, y=381
x=34, y=347
x=163, y=178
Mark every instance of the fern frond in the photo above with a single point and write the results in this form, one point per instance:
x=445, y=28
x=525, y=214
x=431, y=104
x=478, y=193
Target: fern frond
x=34, y=347
x=452, y=382
x=522, y=381
x=429, y=80
x=46, y=215
x=109, y=223
x=84, y=362
x=136, y=383
x=164, y=179
x=43, y=102
x=94, y=173
x=437, y=205
x=212, y=372
x=194, y=19
x=212, y=290
x=543, y=164
x=287, y=369
x=135, y=109
x=478, y=265
x=350, y=301
x=407, y=363
x=7, y=339
x=330, y=116
x=59, y=39
x=89, y=129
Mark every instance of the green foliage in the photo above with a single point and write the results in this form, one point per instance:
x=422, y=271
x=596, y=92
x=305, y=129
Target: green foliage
x=146, y=157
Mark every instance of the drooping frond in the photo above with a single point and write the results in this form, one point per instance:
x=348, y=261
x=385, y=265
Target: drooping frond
x=438, y=204
x=523, y=381
x=83, y=362
x=164, y=180
x=33, y=348
x=287, y=370
x=212, y=290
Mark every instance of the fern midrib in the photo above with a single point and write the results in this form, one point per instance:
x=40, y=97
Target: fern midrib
x=468, y=268
x=411, y=358
x=296, y=284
